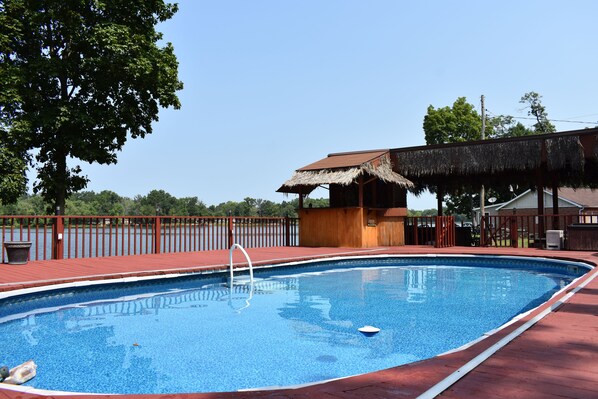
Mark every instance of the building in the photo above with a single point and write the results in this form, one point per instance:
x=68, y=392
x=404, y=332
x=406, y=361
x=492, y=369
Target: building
x=581, y=201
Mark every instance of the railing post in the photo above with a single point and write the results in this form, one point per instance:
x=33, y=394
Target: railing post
x=482, y=231
x=230, y=230
x=157, y=234
x=514, y=233
x=444, y=231
x=452, y=231
x=415, y=231
x=58, y=236
x=438, y=232
x=287, y=231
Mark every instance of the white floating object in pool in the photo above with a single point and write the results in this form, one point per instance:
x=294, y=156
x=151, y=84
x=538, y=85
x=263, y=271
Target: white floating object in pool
x=368, y=329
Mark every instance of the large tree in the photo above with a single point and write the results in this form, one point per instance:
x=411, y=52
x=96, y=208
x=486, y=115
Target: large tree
x=461, y=122
x=83, y=76
x=538, y=111
x=458, y=123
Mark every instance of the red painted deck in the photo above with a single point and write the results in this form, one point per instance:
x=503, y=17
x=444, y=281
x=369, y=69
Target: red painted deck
x=556, y=358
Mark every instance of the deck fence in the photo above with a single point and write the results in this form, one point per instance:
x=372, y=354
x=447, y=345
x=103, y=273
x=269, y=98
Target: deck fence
x=422, y=230
x=526, y=231
x=517, y=231
x=64, y=237
x=60, y=237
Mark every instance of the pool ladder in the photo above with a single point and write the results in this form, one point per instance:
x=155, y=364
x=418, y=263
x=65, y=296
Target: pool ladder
x=230, y=259
x=231, y=281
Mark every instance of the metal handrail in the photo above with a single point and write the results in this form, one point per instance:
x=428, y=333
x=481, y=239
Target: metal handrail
x=230, y=258
x=231, y=283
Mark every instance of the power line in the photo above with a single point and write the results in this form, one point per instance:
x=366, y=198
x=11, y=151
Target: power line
x=550, y=120
x=581, y=116
x=557, y=120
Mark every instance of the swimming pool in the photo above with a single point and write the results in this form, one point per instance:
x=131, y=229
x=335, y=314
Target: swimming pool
x=193, y=334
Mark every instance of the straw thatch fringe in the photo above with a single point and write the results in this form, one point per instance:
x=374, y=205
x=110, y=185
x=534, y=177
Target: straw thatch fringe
x=564, y=152
x=324, y=176
x=467, y=160
x=423, y=162
x=383, y=171
x=380, y=168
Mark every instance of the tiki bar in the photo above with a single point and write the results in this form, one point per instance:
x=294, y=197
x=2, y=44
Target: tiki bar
x=368, y=200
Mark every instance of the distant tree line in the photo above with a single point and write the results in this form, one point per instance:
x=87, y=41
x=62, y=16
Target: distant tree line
x=159, y=202
x=156, y=202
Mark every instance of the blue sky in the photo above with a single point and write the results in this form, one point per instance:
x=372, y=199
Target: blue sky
x=273, y=85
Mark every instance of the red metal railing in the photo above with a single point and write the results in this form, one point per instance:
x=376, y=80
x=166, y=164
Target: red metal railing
x=438, y=231
x=36, y=229
x=58, y=237
x=445, y=231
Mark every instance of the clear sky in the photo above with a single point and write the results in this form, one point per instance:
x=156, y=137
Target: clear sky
x=273, y=85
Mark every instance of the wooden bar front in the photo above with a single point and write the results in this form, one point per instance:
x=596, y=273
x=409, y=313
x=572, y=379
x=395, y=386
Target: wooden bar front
x=353, y=227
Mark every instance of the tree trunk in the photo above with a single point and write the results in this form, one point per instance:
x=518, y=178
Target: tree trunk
x=60, y=185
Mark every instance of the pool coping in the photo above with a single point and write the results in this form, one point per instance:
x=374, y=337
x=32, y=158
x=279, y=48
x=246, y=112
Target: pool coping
x=449, y=361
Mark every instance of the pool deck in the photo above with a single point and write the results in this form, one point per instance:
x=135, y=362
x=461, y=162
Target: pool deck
x=557, y=357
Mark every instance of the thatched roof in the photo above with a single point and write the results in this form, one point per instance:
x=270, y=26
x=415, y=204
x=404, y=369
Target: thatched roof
x=514, y=160
x=567, y=159
x=466, y=160
x=344, y=169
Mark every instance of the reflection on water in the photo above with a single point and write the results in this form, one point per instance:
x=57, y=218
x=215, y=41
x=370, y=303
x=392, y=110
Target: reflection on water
x=201, y=335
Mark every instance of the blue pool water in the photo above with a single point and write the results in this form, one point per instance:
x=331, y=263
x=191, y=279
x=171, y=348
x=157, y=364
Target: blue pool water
x=297, y=325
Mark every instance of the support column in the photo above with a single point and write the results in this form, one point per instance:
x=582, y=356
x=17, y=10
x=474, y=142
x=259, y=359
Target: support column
x=439, y=197
x=361, y=191
x=58, y=236
x=157, y=235
x=540, y=192
x=555, y=202
x=231, y=238
x=287, y=231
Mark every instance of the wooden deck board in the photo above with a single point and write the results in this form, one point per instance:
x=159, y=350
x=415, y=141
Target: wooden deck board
x=515, y=385
x=556, y=358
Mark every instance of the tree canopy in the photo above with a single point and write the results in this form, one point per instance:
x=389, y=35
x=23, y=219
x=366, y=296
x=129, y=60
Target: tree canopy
x=538, y=111
x=78, y=78
x=507, y=126
x=13, y=181
x=461, y=122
